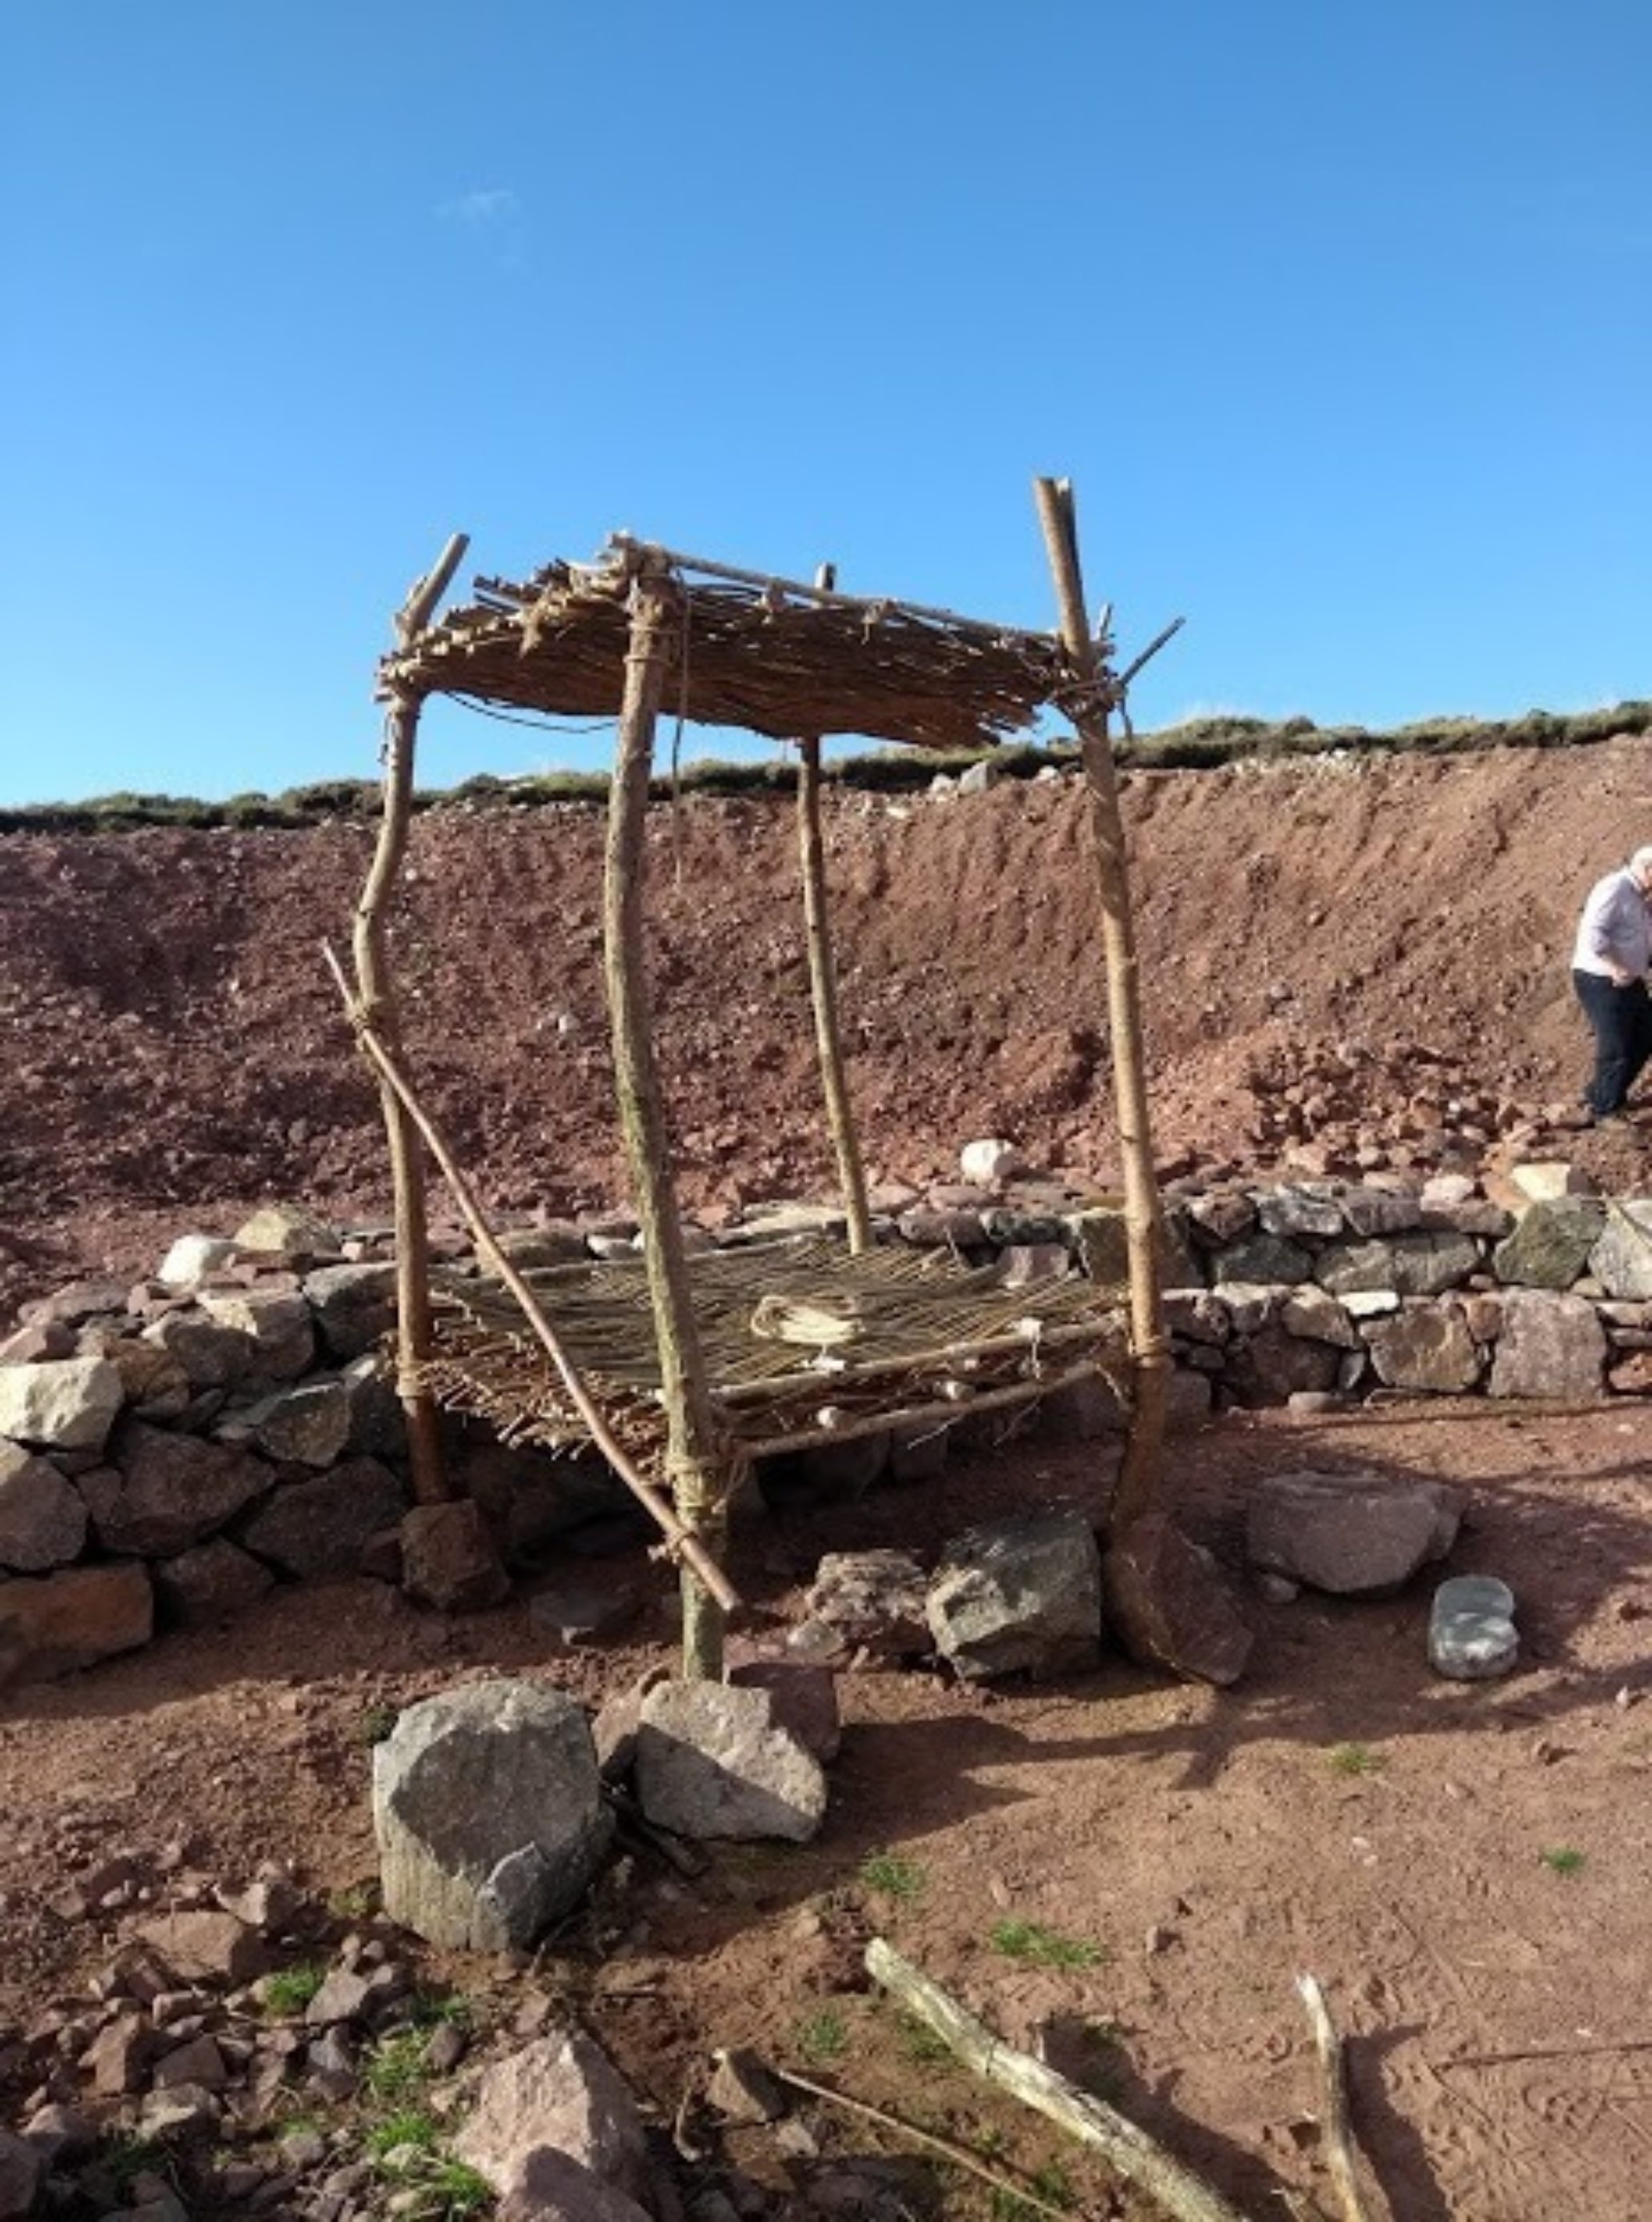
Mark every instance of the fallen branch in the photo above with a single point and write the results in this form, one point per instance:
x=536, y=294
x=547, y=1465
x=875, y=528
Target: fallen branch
x=959, y=2155
x=1128, y=2149
x=1340, y=2150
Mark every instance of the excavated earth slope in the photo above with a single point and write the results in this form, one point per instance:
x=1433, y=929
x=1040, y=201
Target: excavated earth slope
x=1348, y=954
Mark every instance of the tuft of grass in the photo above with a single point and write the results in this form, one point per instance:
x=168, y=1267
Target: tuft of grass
x=1053, y=2186
x=1356, y=1759
x=1563, y=1859
x=376, y=1723
x=919, y=2042
x=408, y=2129
x=457, y=2192
x=357, y=1901
x=397, y=2072
x=822, y=2037
x=1039, y=1947
x=892, y=1875
x=290, y=1990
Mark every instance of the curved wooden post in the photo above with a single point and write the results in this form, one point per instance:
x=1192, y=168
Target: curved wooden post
x=693, y=1464
x=823, y=982
x=1139, y=1480
x=376, y=992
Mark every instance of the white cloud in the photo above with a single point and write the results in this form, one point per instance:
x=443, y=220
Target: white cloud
x=484, y=208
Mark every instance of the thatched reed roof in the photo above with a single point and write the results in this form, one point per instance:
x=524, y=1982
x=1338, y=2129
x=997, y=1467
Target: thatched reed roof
x=772, y=656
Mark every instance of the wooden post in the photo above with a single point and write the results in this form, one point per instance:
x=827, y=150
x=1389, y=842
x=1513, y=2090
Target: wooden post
x=693, y=1464
x=823, y=982
x=1139, y=1479
x=376, y=991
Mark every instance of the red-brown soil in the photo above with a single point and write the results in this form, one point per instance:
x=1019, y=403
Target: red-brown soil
x=174, y=1054
x=175, y=1050
x=1211, y=1845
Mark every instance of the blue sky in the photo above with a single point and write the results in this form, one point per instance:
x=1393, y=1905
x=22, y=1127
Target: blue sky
x=1339, y=318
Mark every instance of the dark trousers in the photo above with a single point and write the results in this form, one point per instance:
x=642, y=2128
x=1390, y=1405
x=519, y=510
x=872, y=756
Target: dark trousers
x=1621, y=1020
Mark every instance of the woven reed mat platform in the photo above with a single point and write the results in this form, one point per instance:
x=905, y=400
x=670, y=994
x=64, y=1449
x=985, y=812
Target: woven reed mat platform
x=741, y=653
x=804, y=1343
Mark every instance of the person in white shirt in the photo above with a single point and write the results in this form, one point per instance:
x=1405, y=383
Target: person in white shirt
x=1610, y=963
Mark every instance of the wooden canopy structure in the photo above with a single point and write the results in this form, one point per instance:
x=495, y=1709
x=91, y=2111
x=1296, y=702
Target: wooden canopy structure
x=681, y=1370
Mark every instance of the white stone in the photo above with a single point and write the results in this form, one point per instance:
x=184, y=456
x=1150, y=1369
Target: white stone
x=1545, y=1180
x=191, y=1257
x=990, y=1163
x=60, y=1404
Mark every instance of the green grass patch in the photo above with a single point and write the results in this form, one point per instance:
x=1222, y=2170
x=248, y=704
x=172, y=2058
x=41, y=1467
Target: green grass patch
x=1039, y=1947
x=396, y=2071
x=290, y=1990
x=822, y=2037
x=1356, y=1759
x=1564, y=1858
x=892, y=1875
x=918, y=2042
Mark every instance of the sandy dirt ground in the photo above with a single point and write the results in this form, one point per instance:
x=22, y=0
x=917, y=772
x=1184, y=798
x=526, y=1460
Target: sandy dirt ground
x=1466, y=1868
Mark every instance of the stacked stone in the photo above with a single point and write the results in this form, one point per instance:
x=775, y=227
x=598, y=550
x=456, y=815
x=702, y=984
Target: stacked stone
x=168, y=1451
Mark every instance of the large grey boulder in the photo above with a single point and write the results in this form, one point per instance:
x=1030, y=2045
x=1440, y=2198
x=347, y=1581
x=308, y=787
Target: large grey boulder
x=60, y=1404
x=42, y=1517
x=1268, y=1258
x=559, y=2100
x=355, y=1306
x=1414, y=1264
x=870, y=1602
x=1550, y=1347
x=174, y=1490
x=305, y=1425
x=1621, y=1259
x=276, y=1321
x=1274, y=1364
x=210, y=1582
x=1550, y=1245
x=212, y=1356
x=1019, y=1597
x=1357, y=1534
x=1301, y=1208
x=59, y=1622
x=488, y=1807
x=1170, y=1605
x=317, y=1530
x=714, y=1762
x=1425, y=1347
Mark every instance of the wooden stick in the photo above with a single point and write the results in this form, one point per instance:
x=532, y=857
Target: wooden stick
x=692, y=1462
x=1141, y=1479
x=422, y=596
x=917, y=1361
x=823, y=984
x=1339, y=2150
x=941, y=1414
x=378, y=998
x=1013, y=2186
x=1129, y=2150
x=1150, y=650
x=388, y=1066
x=673, y=559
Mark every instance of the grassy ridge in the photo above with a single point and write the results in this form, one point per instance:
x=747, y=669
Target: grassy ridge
x=1201, y=744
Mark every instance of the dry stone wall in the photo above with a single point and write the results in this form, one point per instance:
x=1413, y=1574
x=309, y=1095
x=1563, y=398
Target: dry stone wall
x=170, y=1451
